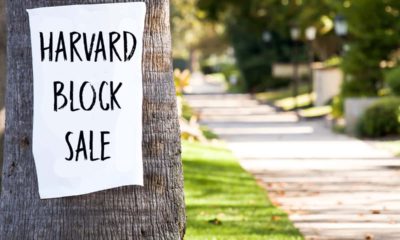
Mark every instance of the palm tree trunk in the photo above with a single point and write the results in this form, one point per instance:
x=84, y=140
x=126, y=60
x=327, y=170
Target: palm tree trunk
x=155, y=211
x=2, y=74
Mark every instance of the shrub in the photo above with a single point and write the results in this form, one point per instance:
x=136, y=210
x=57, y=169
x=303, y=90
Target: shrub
x=381, y=118
x=337, y=106
x=392, y=78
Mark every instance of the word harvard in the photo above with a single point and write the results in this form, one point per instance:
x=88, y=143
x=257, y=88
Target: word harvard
x=76, y=46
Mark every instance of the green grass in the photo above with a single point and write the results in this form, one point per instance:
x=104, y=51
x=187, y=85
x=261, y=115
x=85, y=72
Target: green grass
x=316, y=112
x=284, y=98
x=290, y=103
x=272, y=96
x=187, y=111
x=224, y=202
x=339, y=128
x=210, y=135
x=392, y=146
x=217, y=77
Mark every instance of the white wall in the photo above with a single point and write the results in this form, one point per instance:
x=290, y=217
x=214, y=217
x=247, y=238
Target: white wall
x=327, y=83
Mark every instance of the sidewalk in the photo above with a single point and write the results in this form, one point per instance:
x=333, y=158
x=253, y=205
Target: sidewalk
x=332, y=186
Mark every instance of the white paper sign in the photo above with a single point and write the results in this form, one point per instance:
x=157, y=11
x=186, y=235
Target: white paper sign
x=87, y=126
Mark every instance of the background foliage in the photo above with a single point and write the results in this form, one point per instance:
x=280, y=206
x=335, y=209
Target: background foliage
x=374, y=38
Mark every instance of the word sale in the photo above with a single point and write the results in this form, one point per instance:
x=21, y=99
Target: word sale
x=84, y=149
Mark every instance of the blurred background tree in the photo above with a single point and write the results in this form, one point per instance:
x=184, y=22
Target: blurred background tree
x=374, y=26
x=234, y=31
x=247, y=21
x=194, y=37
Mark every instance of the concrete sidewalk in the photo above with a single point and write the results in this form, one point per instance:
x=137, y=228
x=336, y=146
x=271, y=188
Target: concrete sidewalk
x=332, y=186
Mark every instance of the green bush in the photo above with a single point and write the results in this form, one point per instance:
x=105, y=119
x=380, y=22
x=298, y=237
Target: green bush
x=392, y=78
x=187, y=111
x=381, y=119
x=337, y=106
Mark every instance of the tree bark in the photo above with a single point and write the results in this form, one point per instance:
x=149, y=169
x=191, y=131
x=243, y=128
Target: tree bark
x=155, y=211
x=2, y=74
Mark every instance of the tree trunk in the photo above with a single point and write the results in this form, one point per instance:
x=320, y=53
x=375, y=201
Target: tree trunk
x=2, y=74
x=155, y=211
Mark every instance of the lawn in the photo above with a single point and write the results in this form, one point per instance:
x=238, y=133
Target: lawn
x=224, y=202
x=315, y=112
x=290, y=103
x=392, y=146
x=284, y=100
x=274, y=95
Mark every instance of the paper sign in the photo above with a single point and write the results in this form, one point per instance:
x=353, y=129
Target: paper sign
x=87, y=124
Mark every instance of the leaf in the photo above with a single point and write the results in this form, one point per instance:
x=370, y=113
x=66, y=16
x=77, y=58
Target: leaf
x=215, y=221
x=375, y=211
x=369, y=237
